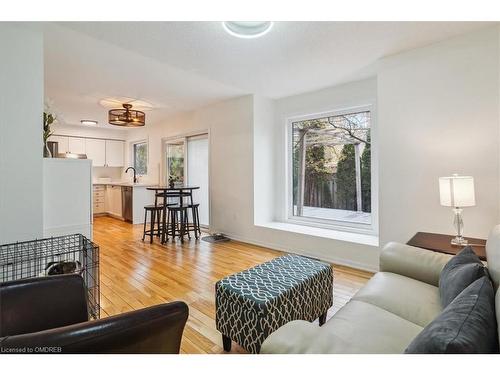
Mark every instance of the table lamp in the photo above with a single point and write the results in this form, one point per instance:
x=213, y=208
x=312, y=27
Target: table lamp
x=457, y=192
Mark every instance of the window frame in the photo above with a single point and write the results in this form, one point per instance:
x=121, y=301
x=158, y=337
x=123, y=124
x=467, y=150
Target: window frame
x=341, y=225
x=132, y=151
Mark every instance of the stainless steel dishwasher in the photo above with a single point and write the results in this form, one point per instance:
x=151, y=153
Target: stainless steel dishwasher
x=127, y=203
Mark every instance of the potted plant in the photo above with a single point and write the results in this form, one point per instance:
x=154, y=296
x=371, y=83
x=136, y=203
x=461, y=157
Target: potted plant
x=48, y=120
x=171, y=181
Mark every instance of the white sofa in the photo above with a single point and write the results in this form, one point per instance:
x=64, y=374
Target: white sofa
x=388, y=312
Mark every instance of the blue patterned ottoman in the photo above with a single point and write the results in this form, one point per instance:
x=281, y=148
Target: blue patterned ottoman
x=252, y=304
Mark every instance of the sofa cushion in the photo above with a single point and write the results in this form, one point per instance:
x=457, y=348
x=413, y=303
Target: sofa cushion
x=466, y=325
x=461, y=271
x=358, y=327
x=408, y=298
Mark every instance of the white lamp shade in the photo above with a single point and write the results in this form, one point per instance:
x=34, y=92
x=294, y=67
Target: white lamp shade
x=457, y=191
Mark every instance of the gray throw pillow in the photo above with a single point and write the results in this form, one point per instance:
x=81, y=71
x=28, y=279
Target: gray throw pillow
x=460, y=271
x=466, y=325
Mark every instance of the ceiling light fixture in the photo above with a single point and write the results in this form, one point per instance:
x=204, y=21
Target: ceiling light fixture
x=126, y=117
x=89, y=122
x=247, y=29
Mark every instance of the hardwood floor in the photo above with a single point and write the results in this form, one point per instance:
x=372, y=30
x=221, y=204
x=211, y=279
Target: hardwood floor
x=136, y=274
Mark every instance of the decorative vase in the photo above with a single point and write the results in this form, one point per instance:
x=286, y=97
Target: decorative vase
x=46, y=151
x=53, y=148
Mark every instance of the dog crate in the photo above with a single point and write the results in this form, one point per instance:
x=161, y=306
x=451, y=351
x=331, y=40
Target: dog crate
x=54, y=256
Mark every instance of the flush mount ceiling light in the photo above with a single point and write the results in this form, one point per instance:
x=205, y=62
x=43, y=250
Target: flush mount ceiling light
x=126, y=117
x=89, y=122
x=247, y=29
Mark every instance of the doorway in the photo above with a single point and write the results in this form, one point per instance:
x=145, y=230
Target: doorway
x=186, y=162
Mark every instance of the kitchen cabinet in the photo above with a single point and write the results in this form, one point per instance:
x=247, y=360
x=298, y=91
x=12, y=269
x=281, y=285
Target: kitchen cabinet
x=76, y=145
x=114, y=153
x=96, y=151
x=113, y=200
x=62, y=143
x=102, y=152
x=108, y=200
x=99, y=192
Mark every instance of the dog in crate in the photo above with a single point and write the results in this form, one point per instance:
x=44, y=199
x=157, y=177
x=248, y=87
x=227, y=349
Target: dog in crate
x=62, y=268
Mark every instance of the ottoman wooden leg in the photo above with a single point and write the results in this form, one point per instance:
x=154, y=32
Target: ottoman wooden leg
x=226, y=343
x=322, y=318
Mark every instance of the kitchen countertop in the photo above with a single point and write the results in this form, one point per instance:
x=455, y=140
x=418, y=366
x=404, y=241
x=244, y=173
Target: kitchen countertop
x=125, y=183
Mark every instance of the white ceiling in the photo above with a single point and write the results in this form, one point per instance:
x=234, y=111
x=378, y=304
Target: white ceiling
x=178, y=66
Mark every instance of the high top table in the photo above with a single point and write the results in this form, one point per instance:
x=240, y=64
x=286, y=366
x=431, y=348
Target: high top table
x=170, y=192
x=178, y=189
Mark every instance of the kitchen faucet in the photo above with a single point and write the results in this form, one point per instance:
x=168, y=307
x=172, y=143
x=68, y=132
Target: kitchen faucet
x=133, y=169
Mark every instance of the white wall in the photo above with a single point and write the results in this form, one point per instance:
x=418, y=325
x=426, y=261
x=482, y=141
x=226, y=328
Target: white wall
x=21, y=108
x=439, y=114
x=264, y=159
x=63, y=180
x=230, y=127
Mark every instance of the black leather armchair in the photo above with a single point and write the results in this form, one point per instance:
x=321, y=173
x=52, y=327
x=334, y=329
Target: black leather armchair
x=49, y=315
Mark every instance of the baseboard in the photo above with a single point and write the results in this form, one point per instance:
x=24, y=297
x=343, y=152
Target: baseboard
x=334, y=260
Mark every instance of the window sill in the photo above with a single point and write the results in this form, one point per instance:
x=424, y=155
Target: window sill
x=359, y=238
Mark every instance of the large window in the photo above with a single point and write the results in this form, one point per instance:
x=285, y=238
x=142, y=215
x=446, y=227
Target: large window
x=140, y=152
x=331, y=169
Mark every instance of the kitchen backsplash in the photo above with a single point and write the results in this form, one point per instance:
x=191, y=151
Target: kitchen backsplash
x=115, y=173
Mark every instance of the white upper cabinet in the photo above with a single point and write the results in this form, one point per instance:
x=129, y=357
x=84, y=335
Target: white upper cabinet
x=114, y=153
x=76, y=145
x=102, y=152
x=96, y=151
x=62, y=143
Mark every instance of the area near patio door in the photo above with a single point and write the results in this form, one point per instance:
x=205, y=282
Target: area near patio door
x=186, y=162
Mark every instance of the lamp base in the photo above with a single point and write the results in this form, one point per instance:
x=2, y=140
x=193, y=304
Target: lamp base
x=459, y=241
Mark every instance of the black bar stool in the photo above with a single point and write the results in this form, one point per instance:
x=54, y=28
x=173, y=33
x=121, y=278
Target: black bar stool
x=155, y=214
x=168, y=202
x=195, y=225
x=157, y=211
x=177, y=222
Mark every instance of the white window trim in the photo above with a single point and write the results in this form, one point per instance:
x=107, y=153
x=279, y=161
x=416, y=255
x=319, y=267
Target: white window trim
x=340, y=225
x=132, y=156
